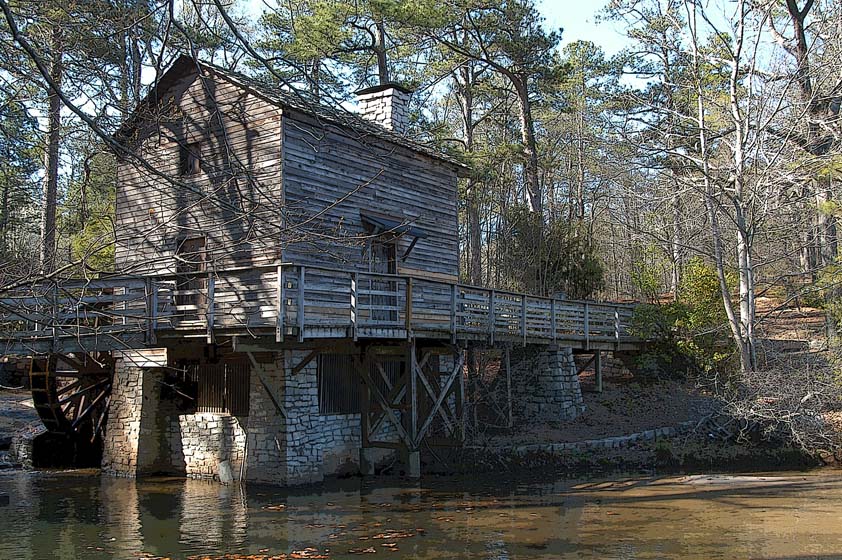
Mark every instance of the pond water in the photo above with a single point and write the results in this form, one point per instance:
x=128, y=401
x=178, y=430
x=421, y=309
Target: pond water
x=81, y=515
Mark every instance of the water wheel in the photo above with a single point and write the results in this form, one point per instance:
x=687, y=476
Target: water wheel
x=71, y=394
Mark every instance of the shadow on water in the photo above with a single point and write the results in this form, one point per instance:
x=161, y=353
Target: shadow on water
x=81, y=515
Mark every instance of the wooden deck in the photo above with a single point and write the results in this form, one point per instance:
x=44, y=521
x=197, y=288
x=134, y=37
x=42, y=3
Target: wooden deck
x=293, y=303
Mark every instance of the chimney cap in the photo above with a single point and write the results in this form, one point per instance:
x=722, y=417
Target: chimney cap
x=383, y=87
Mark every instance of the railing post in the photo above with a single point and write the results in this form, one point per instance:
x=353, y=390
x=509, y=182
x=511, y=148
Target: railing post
x=552, y=319
x=491, y=318
x=209, y=311
x=281, y=306
x=55, y=318
x=153, y=339
x=125, y=305
x=301, y=274
x=523, y=317
x=354, y=305
x=147, y=302
x=453, y=313
x=617, y=326
x=587, y=327
x=408, y=308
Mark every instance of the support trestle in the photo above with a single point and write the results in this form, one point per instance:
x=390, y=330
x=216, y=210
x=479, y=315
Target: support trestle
x=413, y=395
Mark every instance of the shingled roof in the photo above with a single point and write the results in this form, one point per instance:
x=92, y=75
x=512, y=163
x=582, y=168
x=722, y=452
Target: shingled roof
x=297, y=100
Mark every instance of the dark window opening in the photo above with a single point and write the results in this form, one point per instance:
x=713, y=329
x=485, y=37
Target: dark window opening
x=383, y=297
x=341, y=387
x=221, y=388
x=190, y=158
x=191, y=284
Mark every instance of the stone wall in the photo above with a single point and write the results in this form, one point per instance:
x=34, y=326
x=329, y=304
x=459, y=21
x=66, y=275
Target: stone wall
x=147, y=434
x=134, y=443
x=200, y=442
x=265, y=427
x=316, y=444
x=545, y=387
x=612, y=366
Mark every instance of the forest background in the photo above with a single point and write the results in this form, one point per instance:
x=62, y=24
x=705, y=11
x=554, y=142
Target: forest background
x=695, y=166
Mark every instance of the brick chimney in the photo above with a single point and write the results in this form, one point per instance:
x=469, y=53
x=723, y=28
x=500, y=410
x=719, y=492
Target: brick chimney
x=387, y=105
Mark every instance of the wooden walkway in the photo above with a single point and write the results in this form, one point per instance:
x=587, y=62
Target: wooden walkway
x=292, y=303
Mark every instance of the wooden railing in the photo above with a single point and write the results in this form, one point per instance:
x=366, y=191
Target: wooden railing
x=298, y=302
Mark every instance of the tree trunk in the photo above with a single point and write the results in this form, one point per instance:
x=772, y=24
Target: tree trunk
x=51, y=159
x=379, y=47
x=534, y=199
x=742, y=337
x=4, y=218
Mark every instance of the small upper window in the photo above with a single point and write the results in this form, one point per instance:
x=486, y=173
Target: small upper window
x=190, y=158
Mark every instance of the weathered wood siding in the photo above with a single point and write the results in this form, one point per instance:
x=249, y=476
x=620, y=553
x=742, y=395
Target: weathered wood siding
x=236, y=200
x=331, y=173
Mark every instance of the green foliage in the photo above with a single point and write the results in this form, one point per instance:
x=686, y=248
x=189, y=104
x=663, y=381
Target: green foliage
x=87, y=211
x=20, y=159
x=647, y=272
x=688, y=335
x=95, y=244
x=549, y=258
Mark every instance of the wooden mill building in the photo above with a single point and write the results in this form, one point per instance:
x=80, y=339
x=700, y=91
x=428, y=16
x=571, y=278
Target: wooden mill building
x=287, y=302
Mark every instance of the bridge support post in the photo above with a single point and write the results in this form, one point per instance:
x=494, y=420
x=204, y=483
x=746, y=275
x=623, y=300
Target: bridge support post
x=411, y=394
x=545, y=387
x=597, y=364
x=413, y=464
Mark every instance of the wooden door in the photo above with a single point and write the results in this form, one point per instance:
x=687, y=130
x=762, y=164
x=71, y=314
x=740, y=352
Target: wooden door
x=384, y=261
x=191, y=282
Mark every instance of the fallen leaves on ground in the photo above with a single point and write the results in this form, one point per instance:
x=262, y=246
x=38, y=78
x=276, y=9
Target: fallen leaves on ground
x=308, y=553
x=393, y=535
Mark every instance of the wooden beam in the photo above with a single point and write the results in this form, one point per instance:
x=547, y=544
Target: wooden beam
x=444, y=392
x=209, y=311
x=586, y=364
x=408, y=308
x=598, y=368
x=419, y=372
x=413, y=395
x=587, y=327
x=509, y=414
x=354, y=306
x=301, y=275
x=278, y=406
x=304, y=361
x=144, y=357
x=453, y=313
x=280, y=306
x=360, y=366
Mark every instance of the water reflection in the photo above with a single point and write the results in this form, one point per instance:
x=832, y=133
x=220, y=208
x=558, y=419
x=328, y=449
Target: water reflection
x=80, y=515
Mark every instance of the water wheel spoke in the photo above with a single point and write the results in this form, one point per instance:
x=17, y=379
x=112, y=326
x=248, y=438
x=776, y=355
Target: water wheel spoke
x=98, y=427
x=85, y=412
x=69, y=387
x=69, y=373
x=71, y=393
x=85, y=390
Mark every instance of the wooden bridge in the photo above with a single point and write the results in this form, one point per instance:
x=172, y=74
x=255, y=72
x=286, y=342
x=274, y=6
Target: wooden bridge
x=293, y=303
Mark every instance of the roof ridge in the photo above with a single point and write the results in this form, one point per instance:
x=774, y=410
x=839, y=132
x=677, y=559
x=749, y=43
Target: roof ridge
x=305, y=102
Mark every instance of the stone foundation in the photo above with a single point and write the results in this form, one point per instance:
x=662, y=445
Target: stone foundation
x=200, y=442
x=147, y=434
x=545, y=387
x=134, y=442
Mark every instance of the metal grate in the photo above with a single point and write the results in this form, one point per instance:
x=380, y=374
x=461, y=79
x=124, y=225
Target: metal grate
x=340, y=388
x=222, y=388
x=339, y=385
